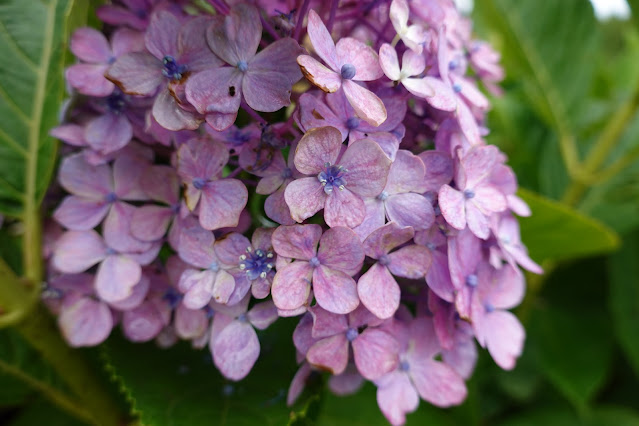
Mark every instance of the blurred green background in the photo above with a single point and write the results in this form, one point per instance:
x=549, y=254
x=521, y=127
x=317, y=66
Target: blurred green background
x=568, y=122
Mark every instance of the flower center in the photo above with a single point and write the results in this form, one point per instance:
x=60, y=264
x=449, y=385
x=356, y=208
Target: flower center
x=352, y=123
x=214, y=266
x=384, y=260
x=471, y=280
x=383, y=196
x=469, y=193
x=111, y=197
x=287, y=173
x=404, y=366
x=256, y=263
x=314, y=262
x=172, y=70
x=172, y=297
x=199, y=183
x=242, y=66
x=457, y=88
x=115, y=103
x=348, y=71
x=351, y=334
x=332, y=177
x=489, y=307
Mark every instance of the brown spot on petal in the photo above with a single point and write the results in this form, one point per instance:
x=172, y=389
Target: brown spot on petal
x=310, y=78
x=232, y=91
x=317, y=115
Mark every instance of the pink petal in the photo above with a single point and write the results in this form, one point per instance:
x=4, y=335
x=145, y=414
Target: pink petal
x=297, y=241
x=413, y=63
x=362, y=57
x=117, y=230
x=137, y=296
x=367, y=168
x=304, y=198
x=80, y=214
x=437, y=383
x=419, y=87
x=137, y=73
x=291, y=285
x=276, y=208
x=489, y=199
x=216, y=90
x=230, y=247
x=318, y=146
x=444, y=98
x=221, y=203
x=90, y=45
x=341, y=249
x=168, y=113
x=162, y=34
x=344, y=208
x=220, y=121
x=80, y=178
x=385, y=238
x=320, y=76
x=262, y=315
x=190, y=324
x=379, y=292
x=334, y=290
x=77, y=251
x=108, y=133
x=376, y=353
x=150, y=222
x=439, y=169
x=389, y=62
x=326, y=324
x=125, y=40
x=330, y=354
x=198, y=286
x=452, y=205
x=396, y=396
x=477, y=221
x=238, y=36
x=406, y=174
x=87, y=322
x=116, y=277
x=201, y=158
x=410, y=209
x=366, y=104
x=347, y=383
x=89, y=79
x=468, y=124
x=375, y=218
x=223, y=287
x=298, y=383
x=504, y=338
x=144, y=322
x=321, y=40
x=235, y=350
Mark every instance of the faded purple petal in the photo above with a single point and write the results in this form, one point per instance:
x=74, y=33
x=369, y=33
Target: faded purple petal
x=297, y=241
x=80, y=214
x=116, y=277
x=375, y=352
x=366, y=104
x=221, y=203
x=304, y=198
x=77, y=251
x=235, y=350
x=330, y=354
x=86, y=322
x=237, y=37
x=341, y=249
x=137, y=73
x=367, y=167
x=334, y=290
x=379, y=292
x=291, y=285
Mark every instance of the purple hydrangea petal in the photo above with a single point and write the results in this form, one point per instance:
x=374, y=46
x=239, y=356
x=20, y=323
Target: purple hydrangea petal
x=341, y=249
x=406, y=174
x=86, y=322
x=144, y=322
x=361, y=56
x=196, y=247
x=439, y=169
x=127, y=172
x=384, y=239
x=137, y=73
x=412, y=262
x=347, y=383
x=222, y=96
x=192, y=45
x=125, y=40
x=108, y=133
x=379, y=292
x=367, y=168
x=396, y=396
x=77, y=251
x=80, y=178
x=201, y=159
x=504, y=338
x=190, y=323
x=376, y=353
x=410, y=209
x=80, y=214
x=171, y=116
x=262, y=315
x=116, y=277
x=444, y=98
x=452, y=205
x=327, y=80
x=297, y=241
x=162, y=34
x=334, y=290
x=235, y=350
x=330, y=354
x=316, y=148
x=298, y=383
x=230, y=247
x=150, y=222
x=304, y=198
x=137, y=296
x=375, y=217
x=221, y=203
x=276, y=208
x=291, y=285
x=389, y=62
x=477, y=221
x=344, y=208
x=238, y=36
x=438, y=277
x=168, y=192
x=117, y=230
x=326, y=323
x=198, y=287
x=89, y=80
x=90, y=45
x=367, y=105
x=437, y=383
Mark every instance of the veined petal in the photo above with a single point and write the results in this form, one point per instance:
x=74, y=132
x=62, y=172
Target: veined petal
x=389, y=62
x=77, y=251
x=291, y=285
x=116, y=277
x=238, y=36
x=304, y=197
x=334, y=290
x=137, y=73
x=215, y=90
x=366, y=104
x=297, y=241
x=379, y=292
x=452, y=205
x=361, y=56
x=321, y=40
x=340, y=249
x=236, y=349
x=327, y=80
x=376, y=353
x=221, y=203
x=330, y=354
x=419, y=87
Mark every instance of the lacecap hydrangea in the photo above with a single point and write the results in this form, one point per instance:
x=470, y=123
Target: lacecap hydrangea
x=354, y=131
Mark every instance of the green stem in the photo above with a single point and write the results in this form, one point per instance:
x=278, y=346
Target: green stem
x=40, y=331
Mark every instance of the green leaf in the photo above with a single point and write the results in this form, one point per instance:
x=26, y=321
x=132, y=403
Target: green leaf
x=181, y=386
x=555, y=231
x=623, y=269
x=40, y=412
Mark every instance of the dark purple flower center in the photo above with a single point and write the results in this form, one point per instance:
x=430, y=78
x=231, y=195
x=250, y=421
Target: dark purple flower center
x=256, y=263
x=214, y=266
x=348, y=71
x=489, y=307
x=457, y=88
x=351, y=334
x=172, y=70
x=469, y=193
x=472, y=280
x=404, y=366
x=383, y=196
x=172, y=297
x=111, y=197
x=210, y=313
x=116, y=102
x=384, y=260
x=314, y=262
x=287, y=173
x=352, y=123
x=242, y=318
x=242, y=66
x=199, y=183
x=332, y=177
x=431, y=246
x=110, y=251
x=453, y=64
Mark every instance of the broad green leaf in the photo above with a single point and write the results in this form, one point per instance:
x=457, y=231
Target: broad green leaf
x=555, y=231
x=547, y=45
x=181, y=385
x=40, y=412
x=623, y=270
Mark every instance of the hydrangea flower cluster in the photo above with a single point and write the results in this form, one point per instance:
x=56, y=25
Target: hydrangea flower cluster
x=232, y=165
